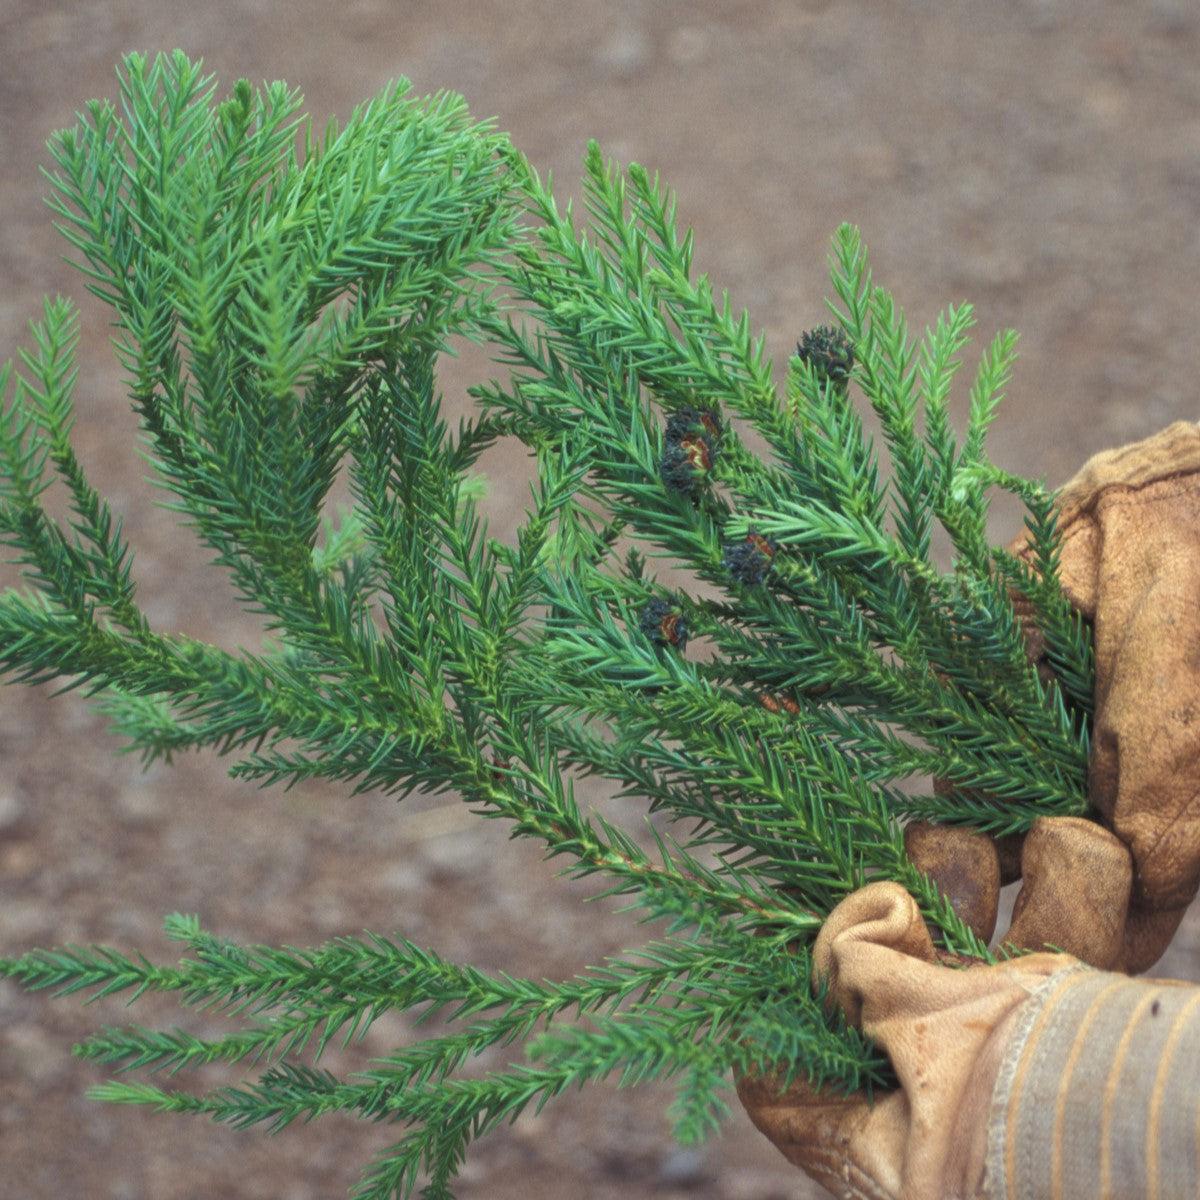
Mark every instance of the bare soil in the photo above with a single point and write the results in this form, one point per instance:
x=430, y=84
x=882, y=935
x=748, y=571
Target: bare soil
x=1038, y=158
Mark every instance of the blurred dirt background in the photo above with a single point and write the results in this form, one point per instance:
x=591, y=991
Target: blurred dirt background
x=1040, y=159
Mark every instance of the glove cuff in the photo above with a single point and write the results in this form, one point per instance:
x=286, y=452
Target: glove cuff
x=1096, y=1092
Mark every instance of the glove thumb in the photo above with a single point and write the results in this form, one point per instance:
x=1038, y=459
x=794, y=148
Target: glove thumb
x=940, y=1027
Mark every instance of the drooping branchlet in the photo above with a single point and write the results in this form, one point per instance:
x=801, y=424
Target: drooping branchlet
x=827, y=350
x=664, y=624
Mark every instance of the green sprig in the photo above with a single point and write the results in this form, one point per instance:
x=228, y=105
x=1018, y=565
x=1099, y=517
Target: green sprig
x=281, y=303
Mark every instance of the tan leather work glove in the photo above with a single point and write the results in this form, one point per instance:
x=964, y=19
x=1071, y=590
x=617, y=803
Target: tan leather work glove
x=1038, y=1077
x=1130, y=522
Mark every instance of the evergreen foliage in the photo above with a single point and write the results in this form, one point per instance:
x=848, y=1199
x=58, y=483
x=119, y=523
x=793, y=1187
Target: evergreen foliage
x=281, y=300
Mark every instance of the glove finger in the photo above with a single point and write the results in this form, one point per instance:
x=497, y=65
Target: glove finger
x=875, y=953
x=1075, y=896
x=1130, y=563
x=1146, y=739
x=933, y=1021
x=966, y=867
x=1147, y=934
x=882, y=918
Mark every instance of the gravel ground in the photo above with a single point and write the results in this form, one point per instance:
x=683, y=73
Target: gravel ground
x=1037, y=158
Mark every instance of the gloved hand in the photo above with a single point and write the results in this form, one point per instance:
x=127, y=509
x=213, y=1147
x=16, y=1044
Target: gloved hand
x=1130, y=522
x=1033, y=1078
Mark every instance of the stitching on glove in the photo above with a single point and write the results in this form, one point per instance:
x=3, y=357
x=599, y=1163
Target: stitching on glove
x=853, y=1183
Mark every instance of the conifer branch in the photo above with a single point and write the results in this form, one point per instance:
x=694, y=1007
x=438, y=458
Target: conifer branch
x=281, y=303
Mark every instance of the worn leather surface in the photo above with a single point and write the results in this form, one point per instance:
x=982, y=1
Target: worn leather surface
x=1130, y=522
x=945, y=1031
x=1033, y=1078
x=1110, y=891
